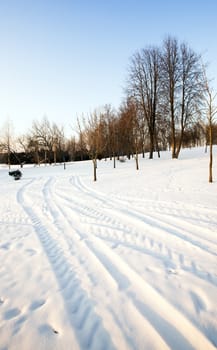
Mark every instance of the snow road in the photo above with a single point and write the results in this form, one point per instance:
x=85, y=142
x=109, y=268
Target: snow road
x=128, y=262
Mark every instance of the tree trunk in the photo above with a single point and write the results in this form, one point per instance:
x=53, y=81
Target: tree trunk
x=55, y=156
x=210, y=152
x=94, y=169
x=137, y=161
x=9, y=159
x=173, y=144
x=151, y=151
x=156, y=144
x=114, y=161
x=178, y=148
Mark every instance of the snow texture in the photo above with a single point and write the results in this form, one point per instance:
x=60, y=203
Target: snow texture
x=127, y=262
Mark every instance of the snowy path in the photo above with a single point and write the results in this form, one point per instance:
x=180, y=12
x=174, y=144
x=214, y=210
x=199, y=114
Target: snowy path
x=108, y=271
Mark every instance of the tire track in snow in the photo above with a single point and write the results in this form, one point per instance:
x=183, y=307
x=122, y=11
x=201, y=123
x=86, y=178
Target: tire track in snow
x=152, y=221
x=122, y=220
x=182, y=214
x=112, y=280
x=86, y=324
x=160, y=311
x=173, y=207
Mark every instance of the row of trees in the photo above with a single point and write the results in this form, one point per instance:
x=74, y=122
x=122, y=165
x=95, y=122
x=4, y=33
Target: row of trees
x=168, y=104
x=105, y=133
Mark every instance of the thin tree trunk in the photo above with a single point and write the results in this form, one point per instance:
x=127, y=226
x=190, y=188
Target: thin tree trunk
x=173, y=144
x=114, y=161
x=156, y=144
x=55, y=156
x=151, y=152
x=137, y=161
x=94, y=169
x=210, y=152
x=9, y=158
x=178, y=148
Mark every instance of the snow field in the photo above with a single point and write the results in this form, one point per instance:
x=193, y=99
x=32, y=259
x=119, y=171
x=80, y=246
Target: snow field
x=128, y=262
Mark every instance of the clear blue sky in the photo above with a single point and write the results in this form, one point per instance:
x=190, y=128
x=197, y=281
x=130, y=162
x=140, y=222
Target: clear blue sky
x=62, y=58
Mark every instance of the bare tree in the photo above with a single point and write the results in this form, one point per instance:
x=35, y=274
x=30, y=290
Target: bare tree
x=34, y=147
x=40, y=136
x=93, y=137
x=130, y=121
x=143, y=85
x=57, y=142
x=23, y=143
x=7, y=141
x=182, y=84
x=71, y=147
x=81, y=139
x=170, y=83
x=113, y=139
x=48, y=138
x=125, y=129
x=110, y=132
x=211, y=111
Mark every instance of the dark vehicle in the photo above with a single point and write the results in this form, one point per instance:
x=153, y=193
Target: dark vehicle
x=16, y=174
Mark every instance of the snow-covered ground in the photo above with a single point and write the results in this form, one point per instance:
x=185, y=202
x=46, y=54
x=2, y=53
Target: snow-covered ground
x=128, y=262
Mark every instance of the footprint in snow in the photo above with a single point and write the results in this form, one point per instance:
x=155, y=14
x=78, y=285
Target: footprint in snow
x=114, y=245
x=173, y=271
x=18, y=324
x=5, y=246
x=36, y=304
x=8, y=315
x=30, y=252
x=47, y=329
x=198, y=301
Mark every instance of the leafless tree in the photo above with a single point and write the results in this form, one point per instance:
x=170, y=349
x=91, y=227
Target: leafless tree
x=7, y=141
x=40, y=136
x=110, y=132
x=182, y=84
x=94, y=138
x=211, y=110
x=143, y=85
x=129, y=117
x=114, y=138
x=71, y=147
x=23, y=143
x=48, y=138
x=81, y=138
x=125, y=130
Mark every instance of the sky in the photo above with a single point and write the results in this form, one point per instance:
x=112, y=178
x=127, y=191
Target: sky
x=64, y=58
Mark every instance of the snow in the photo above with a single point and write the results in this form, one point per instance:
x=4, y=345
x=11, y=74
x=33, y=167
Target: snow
x=127, y=262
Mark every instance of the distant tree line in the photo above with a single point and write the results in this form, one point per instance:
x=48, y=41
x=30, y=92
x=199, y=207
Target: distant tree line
x=167, y=105
x=105, y=133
